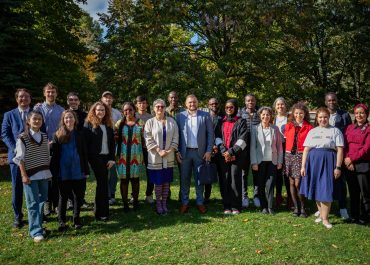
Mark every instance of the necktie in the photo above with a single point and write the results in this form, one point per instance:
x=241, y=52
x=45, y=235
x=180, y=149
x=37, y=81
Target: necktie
x=24, y=117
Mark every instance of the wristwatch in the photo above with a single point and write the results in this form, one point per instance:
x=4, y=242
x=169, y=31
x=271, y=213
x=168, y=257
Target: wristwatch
x=339, y=168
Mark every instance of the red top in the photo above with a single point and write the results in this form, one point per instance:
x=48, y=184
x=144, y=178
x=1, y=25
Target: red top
x=302, y=133
x=357, y=142
x=227, y=129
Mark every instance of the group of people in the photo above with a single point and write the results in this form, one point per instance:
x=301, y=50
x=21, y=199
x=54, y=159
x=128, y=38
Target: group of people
x=51, y=151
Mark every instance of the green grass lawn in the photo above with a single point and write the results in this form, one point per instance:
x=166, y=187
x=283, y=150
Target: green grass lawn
x=143, y=237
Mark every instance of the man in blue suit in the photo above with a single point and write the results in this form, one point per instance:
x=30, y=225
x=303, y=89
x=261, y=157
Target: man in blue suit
x=13, y=124
x=195, y=145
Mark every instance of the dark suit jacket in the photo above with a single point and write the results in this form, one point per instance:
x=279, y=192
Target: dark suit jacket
x=94, y=137
x=12, y=126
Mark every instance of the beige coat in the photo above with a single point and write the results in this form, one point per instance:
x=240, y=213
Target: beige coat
x=153, y=133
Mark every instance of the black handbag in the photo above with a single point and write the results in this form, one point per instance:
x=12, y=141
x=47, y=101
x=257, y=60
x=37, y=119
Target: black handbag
x=207, y=173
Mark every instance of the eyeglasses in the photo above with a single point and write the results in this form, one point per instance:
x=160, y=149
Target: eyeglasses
x=213, y=104
x=159, y=107
x=229, y=107
x=73, y=99
x=126, y=110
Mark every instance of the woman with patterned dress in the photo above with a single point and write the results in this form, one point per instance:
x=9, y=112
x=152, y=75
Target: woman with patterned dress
x=162, y=138
x=129, y=154
x=296, y=131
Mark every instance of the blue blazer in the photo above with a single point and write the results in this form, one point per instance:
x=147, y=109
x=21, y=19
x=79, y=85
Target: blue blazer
x=205, y=137
x=11, y=127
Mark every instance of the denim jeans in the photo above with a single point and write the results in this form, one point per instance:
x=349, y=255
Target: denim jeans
x=112, y=182
x=36, y=194
x=17, y=191
x=190, y=162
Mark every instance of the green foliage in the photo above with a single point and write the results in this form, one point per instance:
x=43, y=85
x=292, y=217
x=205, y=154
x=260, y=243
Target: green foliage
x=40, y=43
x=299, y=50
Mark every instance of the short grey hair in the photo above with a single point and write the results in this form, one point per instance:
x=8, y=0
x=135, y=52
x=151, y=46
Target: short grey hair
x=264, y=108
x=159, y=100
x=280, y=99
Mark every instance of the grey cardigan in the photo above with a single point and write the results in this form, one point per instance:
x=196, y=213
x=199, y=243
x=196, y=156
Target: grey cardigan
x=258, y=145
x=153, y=134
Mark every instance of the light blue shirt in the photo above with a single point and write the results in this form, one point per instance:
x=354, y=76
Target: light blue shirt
x=51, y=115
x=192, y=131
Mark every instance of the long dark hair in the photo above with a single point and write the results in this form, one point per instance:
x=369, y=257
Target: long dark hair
x=27, y=126
x=63, y=134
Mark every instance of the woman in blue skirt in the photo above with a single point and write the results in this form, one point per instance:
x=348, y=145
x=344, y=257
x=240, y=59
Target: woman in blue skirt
x=321, y=163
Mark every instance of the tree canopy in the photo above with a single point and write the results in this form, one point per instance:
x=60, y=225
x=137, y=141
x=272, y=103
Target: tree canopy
x=296, y=49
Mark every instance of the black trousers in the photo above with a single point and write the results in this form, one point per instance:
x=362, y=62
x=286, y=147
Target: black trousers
x=359, y=192
x=246, y=166
x=208, y=187
x=266, y=176
x=53, y=194
x=66, y=187
x=231, y=178
x=99, y=166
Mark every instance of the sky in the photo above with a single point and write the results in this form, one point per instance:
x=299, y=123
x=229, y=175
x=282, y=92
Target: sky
x=95, y=6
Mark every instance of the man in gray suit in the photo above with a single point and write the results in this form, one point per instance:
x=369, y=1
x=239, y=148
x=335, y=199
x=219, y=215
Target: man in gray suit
x=195, y=145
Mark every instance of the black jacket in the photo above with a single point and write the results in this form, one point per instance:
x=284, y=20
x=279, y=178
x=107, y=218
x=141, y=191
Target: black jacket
x=94, y=137
x=81, y=116
x=239, y=142
x=343, y=120
x=56, y=150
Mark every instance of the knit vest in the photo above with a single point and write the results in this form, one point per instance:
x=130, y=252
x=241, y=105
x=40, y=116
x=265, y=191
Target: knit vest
x=36, y=157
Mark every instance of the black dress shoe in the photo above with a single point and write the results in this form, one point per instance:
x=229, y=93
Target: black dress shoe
x=18, y=223
x=265, y=211
x=103, y=219
x=63, y=228
x=77, y=226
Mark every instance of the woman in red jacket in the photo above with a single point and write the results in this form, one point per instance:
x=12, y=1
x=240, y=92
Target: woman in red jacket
x=296, y=131
x=357, y=162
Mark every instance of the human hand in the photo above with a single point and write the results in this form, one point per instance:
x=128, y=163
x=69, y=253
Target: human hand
x=178, y=157
x=351, y=167
x=303, y=171
x=207, y=156
x=347, y=161
x=110, y=164
x=26, y=180
x=279, y=166
x=162, y=153
x=255, y=167
x=337, y=173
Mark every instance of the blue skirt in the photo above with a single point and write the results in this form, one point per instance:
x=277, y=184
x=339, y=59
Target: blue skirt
x=318, y=184
x=158, y=177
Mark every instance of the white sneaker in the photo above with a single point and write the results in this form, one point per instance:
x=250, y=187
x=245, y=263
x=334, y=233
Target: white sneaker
x=317, y=214
x=245, y=202
x=256, y=202
x=149, y=199
x=318, y=220
x=38, y=239
x=344, y=214
x=328, y=225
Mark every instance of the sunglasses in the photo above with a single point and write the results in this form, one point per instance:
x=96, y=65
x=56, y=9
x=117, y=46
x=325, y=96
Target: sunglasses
x=159, y=107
